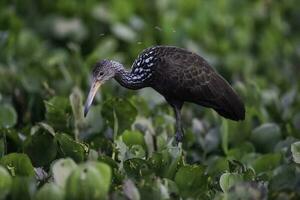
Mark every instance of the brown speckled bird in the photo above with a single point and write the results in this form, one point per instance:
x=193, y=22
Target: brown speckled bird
x=177, y=74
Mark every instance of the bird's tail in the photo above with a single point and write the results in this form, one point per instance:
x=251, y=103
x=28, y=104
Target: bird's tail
x=224, y=99
x=229, y=104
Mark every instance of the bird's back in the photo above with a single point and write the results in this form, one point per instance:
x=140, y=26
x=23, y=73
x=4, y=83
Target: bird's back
x=181, y=75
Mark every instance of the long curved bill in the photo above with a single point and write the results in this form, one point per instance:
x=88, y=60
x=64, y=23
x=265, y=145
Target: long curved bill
x=94, y=88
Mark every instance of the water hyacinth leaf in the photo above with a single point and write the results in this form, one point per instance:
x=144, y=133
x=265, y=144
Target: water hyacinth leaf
x=50, y=191
x=166, y=163
x=227, y=180
x=23, y=187
x=71, y=148
x=108, y=160
x=90, y=181
x=238, y=152
x=5, y=182
x=267, y=162
x=191, y=180
x=285, y=178
x=61, y=170
x=136, y=151
x=295, y=148
x=137, y=168
x=8, y=116
x=41, y=146
x=133, y=138
x=17, y=164
x=266, y=136
x=119, y=107
x=59, y=113
x=217, y=165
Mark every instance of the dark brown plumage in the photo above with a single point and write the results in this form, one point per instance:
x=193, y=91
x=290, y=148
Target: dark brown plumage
x=177, y=74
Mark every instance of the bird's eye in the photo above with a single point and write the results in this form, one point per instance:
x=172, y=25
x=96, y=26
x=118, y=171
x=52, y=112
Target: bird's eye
x=101, y=73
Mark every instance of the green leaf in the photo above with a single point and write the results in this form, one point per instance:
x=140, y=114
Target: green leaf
x=295, y=148
x=227, y=180
x=119, y=107
x=267, y=162
x=59, y=113
x=266, y=136
x=8, y=116
x=61, y=170
x=5, y=183
x=166, y=162
x=217, y=165
x=133, y=138
x=40, y=146
x=50, y=191
x=137, y=168
x=191, y=180
x=239, y=151
x=71, y=148
x=23, y=188
x=89, y=181
x=18, y=164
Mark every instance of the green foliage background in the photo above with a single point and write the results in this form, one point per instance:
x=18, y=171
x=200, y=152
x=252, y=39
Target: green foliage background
x=47, y=51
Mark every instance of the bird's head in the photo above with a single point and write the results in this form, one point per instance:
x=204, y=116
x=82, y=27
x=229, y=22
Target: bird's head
x=103, y=71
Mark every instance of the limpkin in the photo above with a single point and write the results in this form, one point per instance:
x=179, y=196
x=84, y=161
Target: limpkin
x=177, y=74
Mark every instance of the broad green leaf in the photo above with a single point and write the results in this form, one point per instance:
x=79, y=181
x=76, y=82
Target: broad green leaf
x=8, y=116
x=166, y=162
x=23, y=188
x=71, y=148
x=89, y=181
x=137, y=168
x=266, y=136
x=227, y=180
x=124, y=110
x=17, y=164
x=133, y=138
x=49, y=191
x=5, y=183
x=217, y=165
x=285, y=178
x=295, y=148
x=61, y=170
x=239, y=151
x=59, y=113
x=40, y=146
x=267, y=162
x=191, y=180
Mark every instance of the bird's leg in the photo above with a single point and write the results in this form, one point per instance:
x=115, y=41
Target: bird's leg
x=179, y=129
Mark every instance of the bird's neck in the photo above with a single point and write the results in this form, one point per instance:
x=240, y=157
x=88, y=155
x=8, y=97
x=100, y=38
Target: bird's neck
x=126, y=78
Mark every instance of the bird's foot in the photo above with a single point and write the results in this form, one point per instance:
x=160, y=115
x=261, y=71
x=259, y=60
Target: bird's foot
x=179, y=136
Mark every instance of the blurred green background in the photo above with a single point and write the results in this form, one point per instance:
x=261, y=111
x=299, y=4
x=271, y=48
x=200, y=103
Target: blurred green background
x=47, y=51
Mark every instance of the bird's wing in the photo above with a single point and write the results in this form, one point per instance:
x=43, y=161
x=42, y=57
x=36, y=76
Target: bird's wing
x=198, y=82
